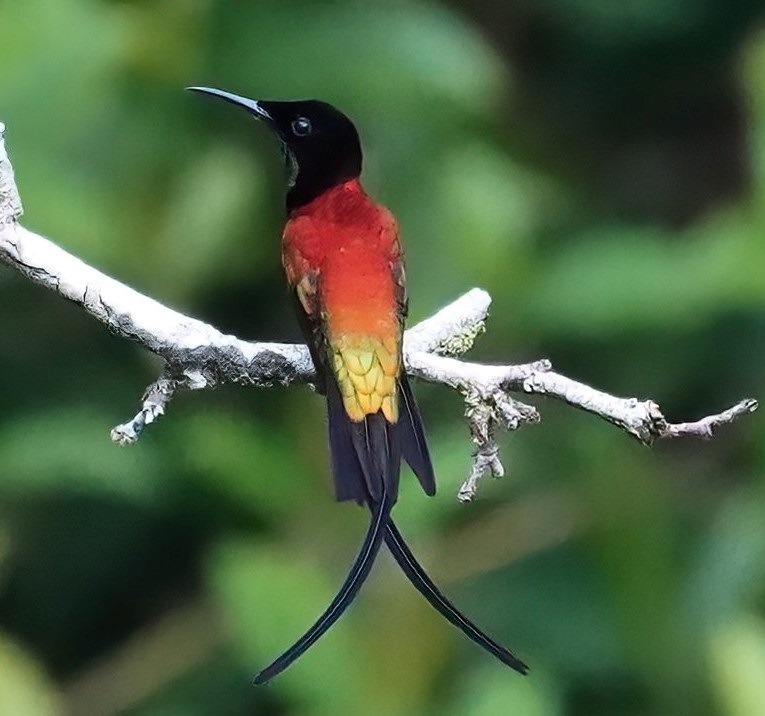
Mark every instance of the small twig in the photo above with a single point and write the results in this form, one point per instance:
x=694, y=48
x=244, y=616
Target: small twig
x=155, y=399
x=705, y=428
x=485, y=413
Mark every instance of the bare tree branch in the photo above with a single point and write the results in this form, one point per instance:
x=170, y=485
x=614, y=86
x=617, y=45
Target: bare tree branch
x=199, y=356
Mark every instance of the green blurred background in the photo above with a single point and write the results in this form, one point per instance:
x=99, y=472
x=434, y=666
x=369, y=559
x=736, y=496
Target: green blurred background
x=598, y=166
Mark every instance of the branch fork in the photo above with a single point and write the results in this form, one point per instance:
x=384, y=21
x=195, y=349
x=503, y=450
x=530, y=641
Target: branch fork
x=198, y=356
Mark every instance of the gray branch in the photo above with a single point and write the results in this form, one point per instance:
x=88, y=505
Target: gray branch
x=197, y=355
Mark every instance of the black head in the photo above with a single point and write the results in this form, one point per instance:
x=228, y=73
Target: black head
x=321, y=145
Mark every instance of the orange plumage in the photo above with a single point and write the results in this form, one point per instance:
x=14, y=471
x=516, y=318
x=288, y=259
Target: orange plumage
x=342, y=255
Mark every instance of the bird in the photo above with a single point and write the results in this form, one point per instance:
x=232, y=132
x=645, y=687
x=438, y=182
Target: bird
x=344, y=266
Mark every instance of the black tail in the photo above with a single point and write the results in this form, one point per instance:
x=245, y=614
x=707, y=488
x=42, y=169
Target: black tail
x=425, y=586
x=351, y=586
x=365, y=463
x=365, y=455
x=366, y=459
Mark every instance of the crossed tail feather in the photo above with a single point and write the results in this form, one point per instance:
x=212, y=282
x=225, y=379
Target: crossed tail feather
x=366, y=459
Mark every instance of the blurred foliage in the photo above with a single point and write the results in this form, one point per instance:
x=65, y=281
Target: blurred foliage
x=599, y=167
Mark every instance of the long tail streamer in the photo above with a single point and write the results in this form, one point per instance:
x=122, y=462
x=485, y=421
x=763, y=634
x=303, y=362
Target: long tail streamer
x=356, y=577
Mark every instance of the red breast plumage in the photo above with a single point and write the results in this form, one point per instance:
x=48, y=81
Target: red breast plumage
x=351, y=246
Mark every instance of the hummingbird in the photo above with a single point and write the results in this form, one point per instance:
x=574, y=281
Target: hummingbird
x=344, y=266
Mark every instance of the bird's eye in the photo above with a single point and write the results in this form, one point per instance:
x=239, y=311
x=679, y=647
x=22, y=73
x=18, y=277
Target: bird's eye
x=301, y=127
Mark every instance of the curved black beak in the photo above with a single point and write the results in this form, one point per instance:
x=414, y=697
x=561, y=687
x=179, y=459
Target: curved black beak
x=249, y=104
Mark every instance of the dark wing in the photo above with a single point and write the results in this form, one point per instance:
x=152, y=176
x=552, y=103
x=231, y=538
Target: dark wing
x=305, y=299
x=411, y=432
